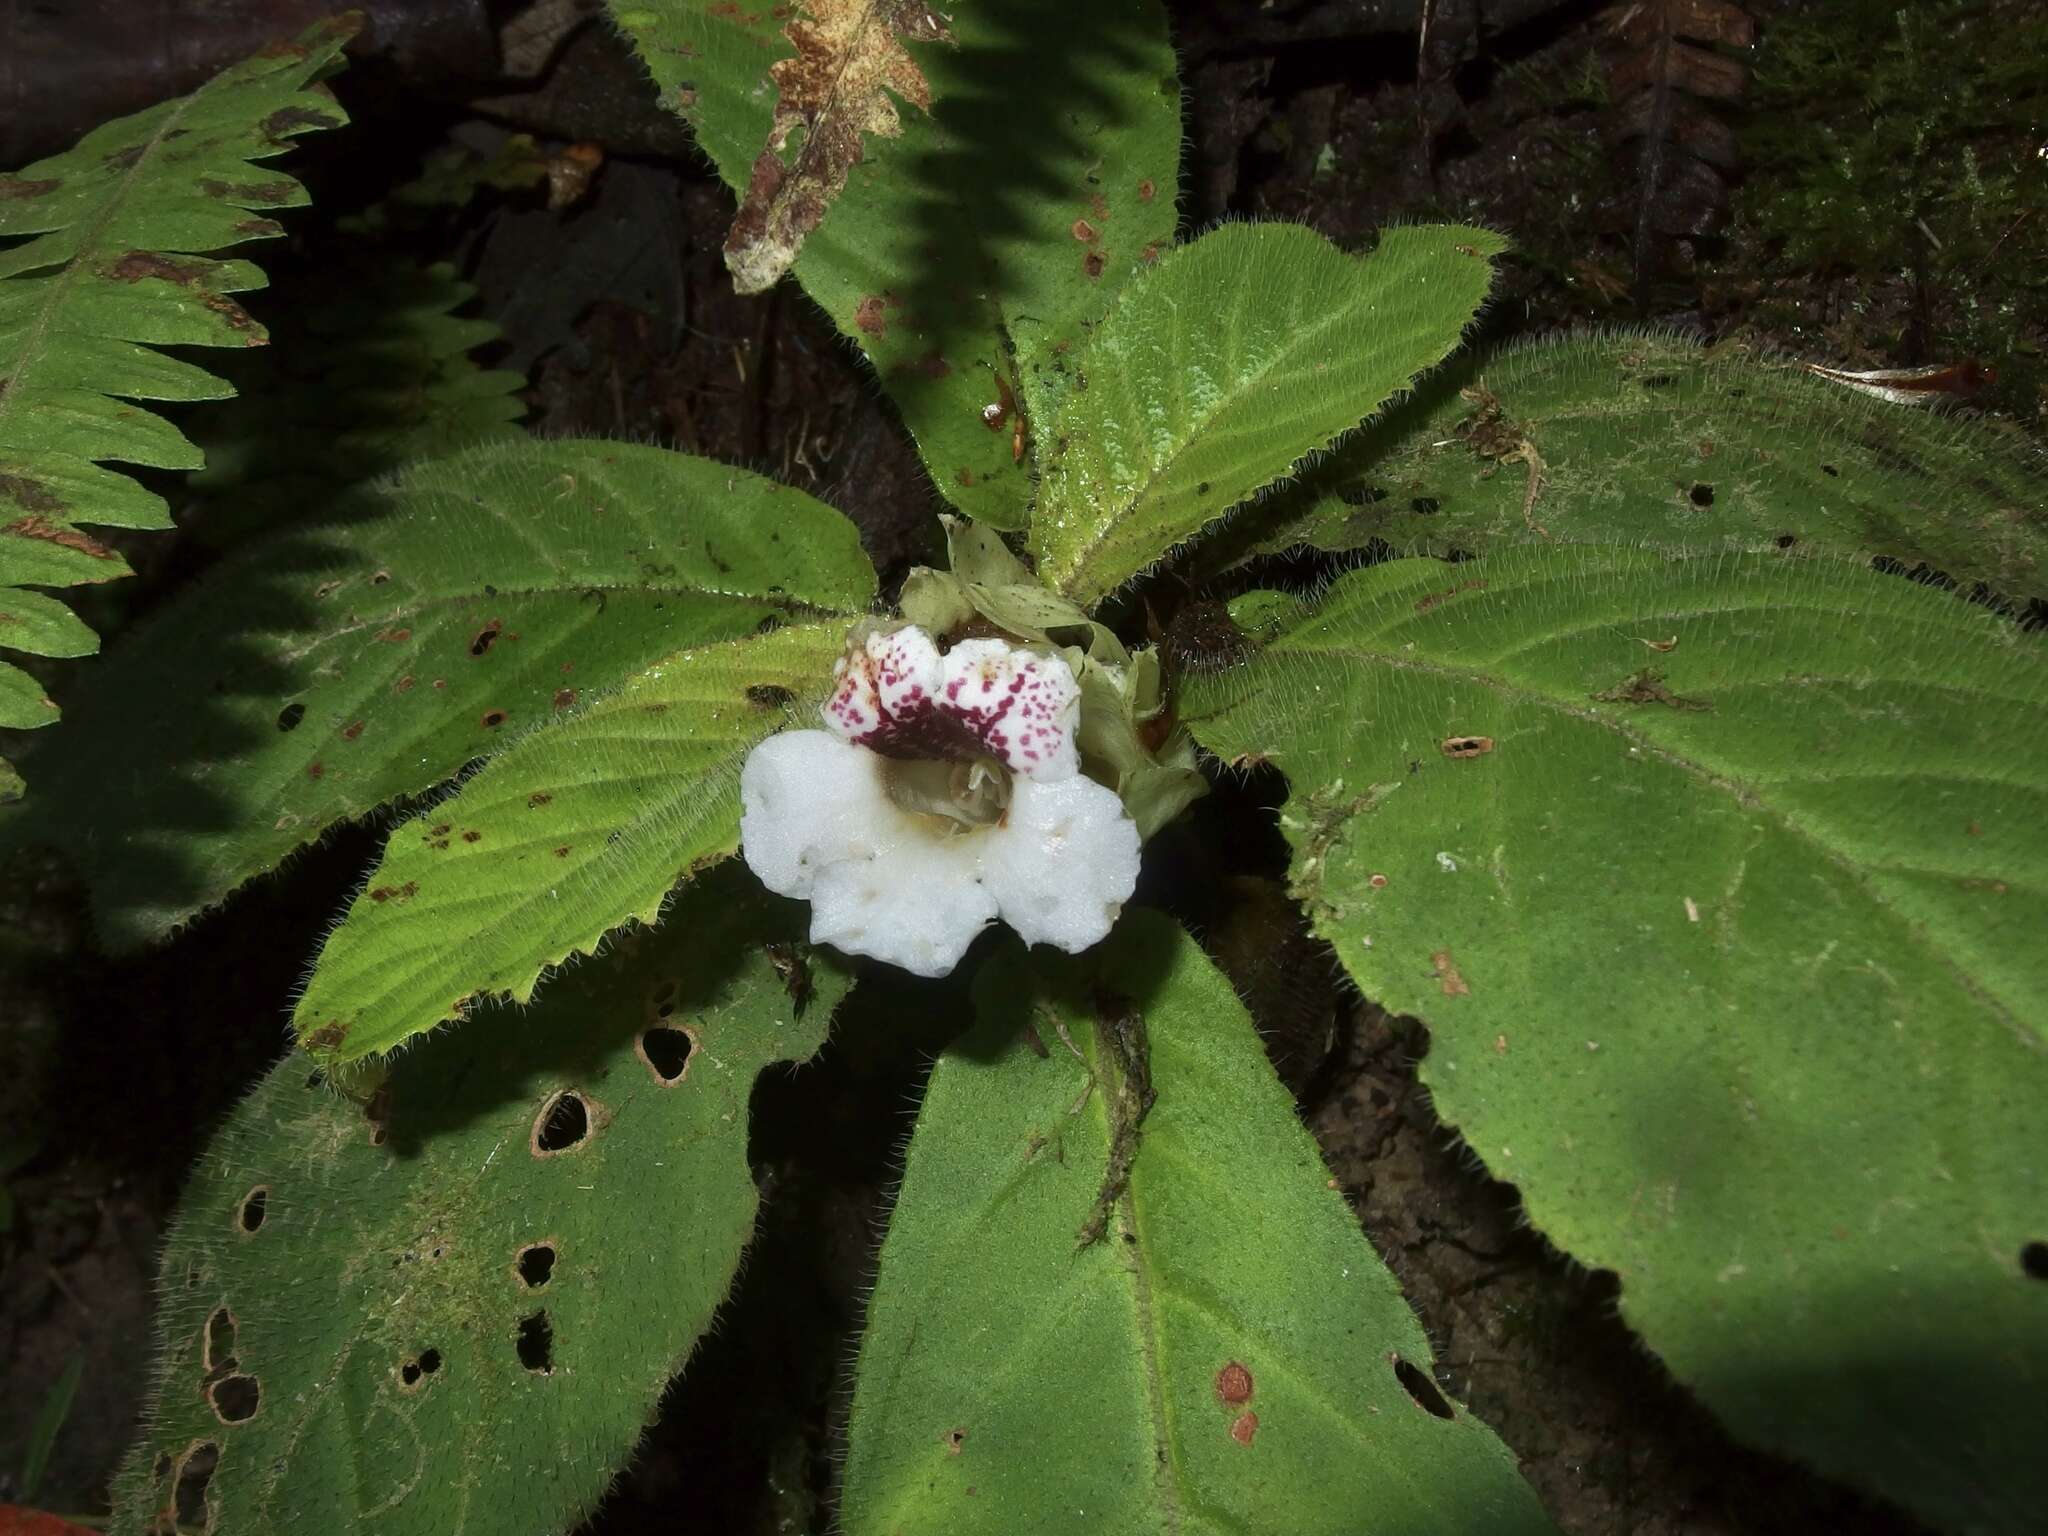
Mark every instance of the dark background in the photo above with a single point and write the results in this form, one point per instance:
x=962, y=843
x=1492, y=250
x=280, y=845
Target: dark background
x=1520, y=114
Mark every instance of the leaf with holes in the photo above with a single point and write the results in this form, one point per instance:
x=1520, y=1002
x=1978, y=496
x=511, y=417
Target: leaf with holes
x=1652, y=439
x=570, y=833
x=427, y=1321
x=463, y=603
x=1223, y=368
x=1720, y=884
x=967, y=256
x=101, y=265
x=1229, y=1354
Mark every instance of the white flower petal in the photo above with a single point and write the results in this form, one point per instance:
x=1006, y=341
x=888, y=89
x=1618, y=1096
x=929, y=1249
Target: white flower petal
x=825, y=815
x=1023, y=706
x=1063, y=863
x=809, y=800
x=918, y=905
x=816, y=822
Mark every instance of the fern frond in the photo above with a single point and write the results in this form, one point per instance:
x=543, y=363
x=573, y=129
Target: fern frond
x=105, y=260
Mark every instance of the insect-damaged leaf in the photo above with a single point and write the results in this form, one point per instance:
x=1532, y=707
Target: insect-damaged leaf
x=1730, y=953
x=1631, y=438
x=1223, y=1358
x=459, y=1316
x=849, y=60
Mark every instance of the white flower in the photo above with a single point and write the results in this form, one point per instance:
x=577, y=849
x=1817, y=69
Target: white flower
x=945, y=795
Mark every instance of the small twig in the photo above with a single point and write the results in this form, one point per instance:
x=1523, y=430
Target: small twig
x=1120, y=1032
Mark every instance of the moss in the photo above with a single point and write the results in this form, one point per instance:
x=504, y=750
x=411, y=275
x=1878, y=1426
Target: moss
x=1897, y=152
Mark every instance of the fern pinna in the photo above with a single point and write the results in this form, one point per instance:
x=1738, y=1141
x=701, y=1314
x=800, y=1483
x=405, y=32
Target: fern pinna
x=108, y=264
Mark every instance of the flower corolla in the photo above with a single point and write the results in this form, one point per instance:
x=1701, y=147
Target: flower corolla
x=945, y=794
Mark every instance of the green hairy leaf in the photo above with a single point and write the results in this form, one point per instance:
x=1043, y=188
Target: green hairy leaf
x=1224, y=367
x=453, y=608
x=105, y=267
x=1653, y=439
x=454, y=1313
x=570, y=833
x=967, y=255
x=1220, y=1359
x=1720, y=883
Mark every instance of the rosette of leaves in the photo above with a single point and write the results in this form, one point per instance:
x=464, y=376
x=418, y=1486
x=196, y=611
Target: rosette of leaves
x=108, y=260
x=1710, y=864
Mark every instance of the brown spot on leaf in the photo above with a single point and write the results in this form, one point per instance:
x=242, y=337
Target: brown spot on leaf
x=1243, y=1427
x=1378, y=882
x=1466, y=746
x=565, y=698
x=869, y=316
x=238, y=318
x=485, y=638
x=1146, y=191
x=286, y=121
x=1424, y=604
x=1085, y=232
x=537, y=799
x=352, y=730
x=563, y=851
x=472, y=836
x=405, y=684
x=136, y=265
x=316, y=770
x=22, y=187
x=392, y=636
x=1234, y=1384
x=32, y=494
x=258, y=229
x=953, y=1439
x=265, y=193
x=491, y=719
x=327, y=1037
x=1447, y=974
x=1647, y=687
x=769, y=696
x=405, y=892
x=850, y=60
x=34, y=527
x=1093, y=264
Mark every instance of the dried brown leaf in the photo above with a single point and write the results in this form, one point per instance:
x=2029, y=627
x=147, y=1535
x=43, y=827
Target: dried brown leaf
x=850, y=59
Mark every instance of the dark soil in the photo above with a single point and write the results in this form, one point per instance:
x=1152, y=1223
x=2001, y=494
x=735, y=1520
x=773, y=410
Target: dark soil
x=118, y=1069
